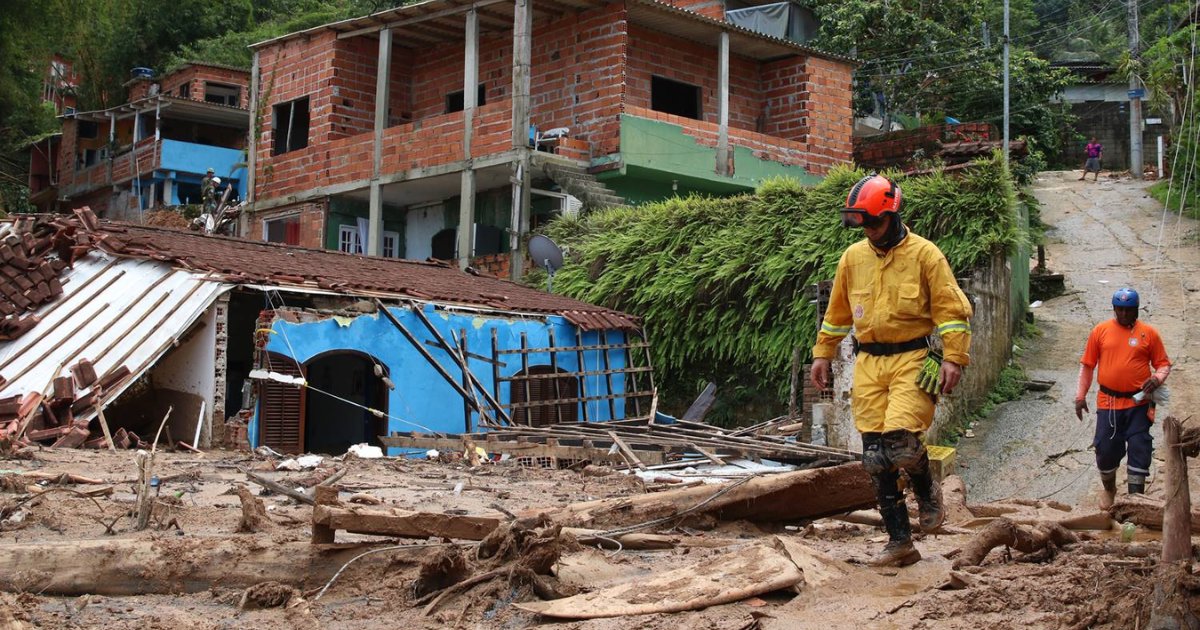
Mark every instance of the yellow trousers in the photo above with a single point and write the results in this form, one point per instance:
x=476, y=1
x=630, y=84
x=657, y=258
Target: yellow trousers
x=885, y=396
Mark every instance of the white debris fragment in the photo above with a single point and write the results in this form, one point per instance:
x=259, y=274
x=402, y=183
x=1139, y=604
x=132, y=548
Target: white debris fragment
x=366, y=451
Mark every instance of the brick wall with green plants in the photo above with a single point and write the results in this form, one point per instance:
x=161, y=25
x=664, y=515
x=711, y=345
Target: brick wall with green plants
x=723, y=283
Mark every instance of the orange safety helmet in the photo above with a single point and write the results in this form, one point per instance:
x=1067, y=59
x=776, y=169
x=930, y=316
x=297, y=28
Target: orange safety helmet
x=870, y=199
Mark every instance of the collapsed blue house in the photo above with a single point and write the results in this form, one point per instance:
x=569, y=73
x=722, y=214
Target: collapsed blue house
x=253, y=343
x=371, y=373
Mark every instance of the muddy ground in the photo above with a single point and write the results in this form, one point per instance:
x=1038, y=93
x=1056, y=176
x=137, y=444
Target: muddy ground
x=1104, y=231
x=1102, y=236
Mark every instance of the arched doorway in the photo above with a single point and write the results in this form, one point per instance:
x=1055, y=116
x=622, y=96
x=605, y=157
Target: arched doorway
x=342, y=385
x=538, y=385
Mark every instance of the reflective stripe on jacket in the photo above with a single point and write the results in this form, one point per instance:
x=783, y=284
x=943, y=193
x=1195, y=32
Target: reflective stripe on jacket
x=907, y=293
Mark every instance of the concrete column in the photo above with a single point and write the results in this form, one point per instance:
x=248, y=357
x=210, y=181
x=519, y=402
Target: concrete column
x=251, y=150
x=723, y=106
x=522, y=55
x=383, y=74
x=168, y=196
x=466, y=210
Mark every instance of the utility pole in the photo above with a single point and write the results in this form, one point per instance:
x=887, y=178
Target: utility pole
x=1135, y=97
x=1006, y=43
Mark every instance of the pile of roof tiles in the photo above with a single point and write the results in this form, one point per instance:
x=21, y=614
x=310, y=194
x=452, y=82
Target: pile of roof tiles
x=52, y=419
x=29, y=278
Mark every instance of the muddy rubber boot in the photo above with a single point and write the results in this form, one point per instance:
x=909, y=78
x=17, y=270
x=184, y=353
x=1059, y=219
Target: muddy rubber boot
x=1109, y=494
x=899, y=551
x=931, y=510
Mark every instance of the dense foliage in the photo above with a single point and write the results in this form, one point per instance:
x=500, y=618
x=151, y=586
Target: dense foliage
x=723, y=283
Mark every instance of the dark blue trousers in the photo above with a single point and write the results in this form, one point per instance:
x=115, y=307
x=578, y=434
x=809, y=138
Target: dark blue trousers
x=1120, y=430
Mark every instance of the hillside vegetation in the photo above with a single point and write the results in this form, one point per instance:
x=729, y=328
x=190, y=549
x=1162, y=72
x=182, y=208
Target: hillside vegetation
x=723, y=284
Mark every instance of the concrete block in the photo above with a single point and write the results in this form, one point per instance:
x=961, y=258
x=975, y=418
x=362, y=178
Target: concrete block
x=941, y=461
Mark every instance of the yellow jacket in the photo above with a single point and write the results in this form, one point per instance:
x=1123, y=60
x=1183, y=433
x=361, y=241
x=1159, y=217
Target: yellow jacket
x=906, y=293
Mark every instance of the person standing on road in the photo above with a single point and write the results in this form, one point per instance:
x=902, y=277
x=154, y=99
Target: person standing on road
x=1125, y=350
x=895, y=289
x=1094, y=152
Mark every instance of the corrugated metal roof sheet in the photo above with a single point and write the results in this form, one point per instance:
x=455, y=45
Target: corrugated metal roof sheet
x=114, y=312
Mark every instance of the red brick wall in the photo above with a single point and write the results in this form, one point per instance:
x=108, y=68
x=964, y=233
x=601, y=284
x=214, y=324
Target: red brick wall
x=828, y=113
x=656, y=53
x=139, y=89
x=197, y=75
x=785, y=98
x=312, y=222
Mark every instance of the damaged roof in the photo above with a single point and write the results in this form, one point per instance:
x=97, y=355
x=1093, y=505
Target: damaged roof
x=240, y=261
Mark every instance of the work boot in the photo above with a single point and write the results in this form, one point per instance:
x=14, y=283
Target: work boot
x=1109, y=494
x=899, y=551
x=896, y=553
x=931, y=510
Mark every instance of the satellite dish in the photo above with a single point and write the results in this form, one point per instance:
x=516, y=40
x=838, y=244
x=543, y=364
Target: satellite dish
x=545, y=253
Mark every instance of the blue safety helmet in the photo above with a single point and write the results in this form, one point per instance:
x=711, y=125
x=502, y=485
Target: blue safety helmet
x=1126, y=298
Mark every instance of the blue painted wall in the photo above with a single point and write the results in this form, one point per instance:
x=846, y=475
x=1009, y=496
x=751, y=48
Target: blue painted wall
x=195, y=159
x=423, y=401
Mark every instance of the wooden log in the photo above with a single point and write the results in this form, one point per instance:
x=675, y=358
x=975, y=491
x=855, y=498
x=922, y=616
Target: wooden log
x=405, y=524
x=1146, y=512
x=791, y=496
x=1003, y=532
x=178, y=565
x=1177, y=522
x=254, y=513
x=280, y=488
x=1171, y=608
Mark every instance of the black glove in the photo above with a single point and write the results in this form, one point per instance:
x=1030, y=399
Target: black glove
x=1080, y=407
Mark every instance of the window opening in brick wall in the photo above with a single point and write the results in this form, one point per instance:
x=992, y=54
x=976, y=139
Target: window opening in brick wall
x=546, y=391
x=88, y=129
x=675, y=97
x=223, y=94
x=454, y=100
x=348, y=240
x=289, y=126
x=391, y=244
x=185, y=90
x=284, y=230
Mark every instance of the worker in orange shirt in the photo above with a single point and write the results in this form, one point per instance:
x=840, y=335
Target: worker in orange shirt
x=894, y=289
x=1125, y=350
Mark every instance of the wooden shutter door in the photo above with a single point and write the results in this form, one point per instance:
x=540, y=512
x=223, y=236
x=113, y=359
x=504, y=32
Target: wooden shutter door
x=281, y=412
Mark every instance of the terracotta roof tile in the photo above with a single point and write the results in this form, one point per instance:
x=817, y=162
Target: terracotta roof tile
x=240, y=260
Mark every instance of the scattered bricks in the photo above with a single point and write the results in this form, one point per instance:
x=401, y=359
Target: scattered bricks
x=114, y=376
x=29, y=403
x=84, y=373
x=64, y=389
x=10, y=406
x=74, y=438
x=52, y=433
x=121, y=438
x=39, y=421
x=98, y=442
x=83, y=402
x=52, y=417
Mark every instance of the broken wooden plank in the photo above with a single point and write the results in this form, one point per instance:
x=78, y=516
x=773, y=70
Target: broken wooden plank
x=708, y=454
x=729, y=577
x=404, y=523
x=174, y=565
x=789, y=496
x=633, y=458
x=280, y=488
x=703, y=402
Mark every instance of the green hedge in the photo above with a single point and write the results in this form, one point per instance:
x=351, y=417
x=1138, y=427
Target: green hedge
x=721, y=282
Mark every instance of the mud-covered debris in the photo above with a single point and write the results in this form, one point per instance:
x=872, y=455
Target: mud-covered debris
x=267, y=595
x=446, y=568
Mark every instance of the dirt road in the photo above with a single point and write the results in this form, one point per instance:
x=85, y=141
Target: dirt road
x=1102, y=236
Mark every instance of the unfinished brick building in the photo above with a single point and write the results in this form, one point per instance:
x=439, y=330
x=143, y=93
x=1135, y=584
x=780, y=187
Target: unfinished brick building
x=385, y=134
x=153, y=150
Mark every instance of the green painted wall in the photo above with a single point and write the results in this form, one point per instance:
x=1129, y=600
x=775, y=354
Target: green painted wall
x=659, y=161
x=345, y=211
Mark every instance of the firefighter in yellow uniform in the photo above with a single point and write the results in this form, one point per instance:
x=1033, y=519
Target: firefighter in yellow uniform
x=895, y=289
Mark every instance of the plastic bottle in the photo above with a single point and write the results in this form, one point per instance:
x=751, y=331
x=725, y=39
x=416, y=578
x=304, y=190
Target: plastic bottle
x=1127, y=530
